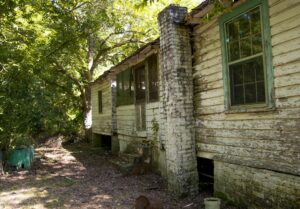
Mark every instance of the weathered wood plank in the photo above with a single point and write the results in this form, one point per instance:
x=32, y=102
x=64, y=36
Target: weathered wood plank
x=285, y=14
x=261, y=124
x=208, y=102
x=291, y=56
x=274, y=2
x=285, y=36
x=288, y=102
x=207, y=71
x=249, y=152
x=281, y=6
x=286, y=25
x=291, y=79
x=286, y=47
x=250, y=143
x=272, y=135
x=213, y=109
x=208, y=63
x=287, y=91
x=212, y=46
x=288, y=68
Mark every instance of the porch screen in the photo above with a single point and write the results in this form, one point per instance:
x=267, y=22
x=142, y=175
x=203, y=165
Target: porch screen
x=153, y=78
x=140, y=85
x=125, y=88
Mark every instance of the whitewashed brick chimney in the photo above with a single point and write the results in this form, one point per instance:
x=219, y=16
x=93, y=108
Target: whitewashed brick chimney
x=177, y=101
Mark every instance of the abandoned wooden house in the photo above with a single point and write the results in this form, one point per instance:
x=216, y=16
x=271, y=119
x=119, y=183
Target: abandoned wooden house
x=213, y=100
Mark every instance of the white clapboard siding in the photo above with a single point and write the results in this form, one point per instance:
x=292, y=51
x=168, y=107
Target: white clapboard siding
x=126, y=120
x=102, y=122
x=268, y=138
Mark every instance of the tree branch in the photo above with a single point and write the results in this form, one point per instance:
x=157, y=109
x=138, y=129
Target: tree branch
x=61, y=69
x=105, y=50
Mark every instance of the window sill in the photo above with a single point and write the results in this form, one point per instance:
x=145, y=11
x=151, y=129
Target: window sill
x=250, y=109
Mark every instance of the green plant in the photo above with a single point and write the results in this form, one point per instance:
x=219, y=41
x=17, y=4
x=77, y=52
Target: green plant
x=155, y=127
x=219, y=8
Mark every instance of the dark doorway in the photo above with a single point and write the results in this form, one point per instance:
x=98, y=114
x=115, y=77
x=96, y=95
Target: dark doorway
x=106, y=142
x=206, y=174
x=103, y=141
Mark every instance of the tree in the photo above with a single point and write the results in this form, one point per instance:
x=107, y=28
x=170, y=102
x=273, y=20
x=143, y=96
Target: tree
x=51, y=51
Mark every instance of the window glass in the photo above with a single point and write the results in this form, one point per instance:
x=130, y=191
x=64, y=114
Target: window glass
x=100, y=104
x=153, y=78
x=125, y=88
x=247, y=82
x=140, y=84
x=244, y=35
x=245, y=58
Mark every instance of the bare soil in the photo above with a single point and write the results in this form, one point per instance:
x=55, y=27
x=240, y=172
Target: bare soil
x=78, y=176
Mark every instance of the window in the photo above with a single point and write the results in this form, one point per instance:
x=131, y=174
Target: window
x=153, y=78
x=246, y=54
x=140, y=84
x=125, y=88
x=100, y=102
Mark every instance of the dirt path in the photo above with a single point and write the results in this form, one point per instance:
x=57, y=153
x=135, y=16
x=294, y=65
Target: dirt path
x=82, y=177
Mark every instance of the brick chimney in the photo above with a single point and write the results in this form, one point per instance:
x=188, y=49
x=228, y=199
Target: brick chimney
x=177, y=101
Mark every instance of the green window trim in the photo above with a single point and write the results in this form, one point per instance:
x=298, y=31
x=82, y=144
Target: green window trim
x=267, y=52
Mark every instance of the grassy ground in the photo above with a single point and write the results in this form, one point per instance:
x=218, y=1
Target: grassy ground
x=78, y=176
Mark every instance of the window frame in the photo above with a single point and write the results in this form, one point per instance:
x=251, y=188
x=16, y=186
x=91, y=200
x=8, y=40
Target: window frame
x=266, y=54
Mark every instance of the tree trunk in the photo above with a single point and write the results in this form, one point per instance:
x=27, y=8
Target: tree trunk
x=87, y=98
x=1, y=163
x=87, y=114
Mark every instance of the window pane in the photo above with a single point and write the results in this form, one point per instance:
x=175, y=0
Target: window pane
x=247, y=82
x=126, y=82
x=153, y=78
x=100, y=101
x=255, y=21
x=243, y=35
x=119, y=84
x=234, y=51
x=237, y=95
x=245, y=47
x=244, y=29
x=236, y=72
x=259, y=69
x=250, y=93
x=233, y=31
x=256, y=44
x=124, y=88
x=249, y=72
x=261, y=92
x=140, y=84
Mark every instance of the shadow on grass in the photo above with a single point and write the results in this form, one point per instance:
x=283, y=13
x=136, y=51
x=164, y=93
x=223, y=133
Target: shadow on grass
x=56, y=180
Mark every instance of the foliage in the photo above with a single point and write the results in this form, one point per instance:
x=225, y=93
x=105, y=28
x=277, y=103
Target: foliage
x=50, y=52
